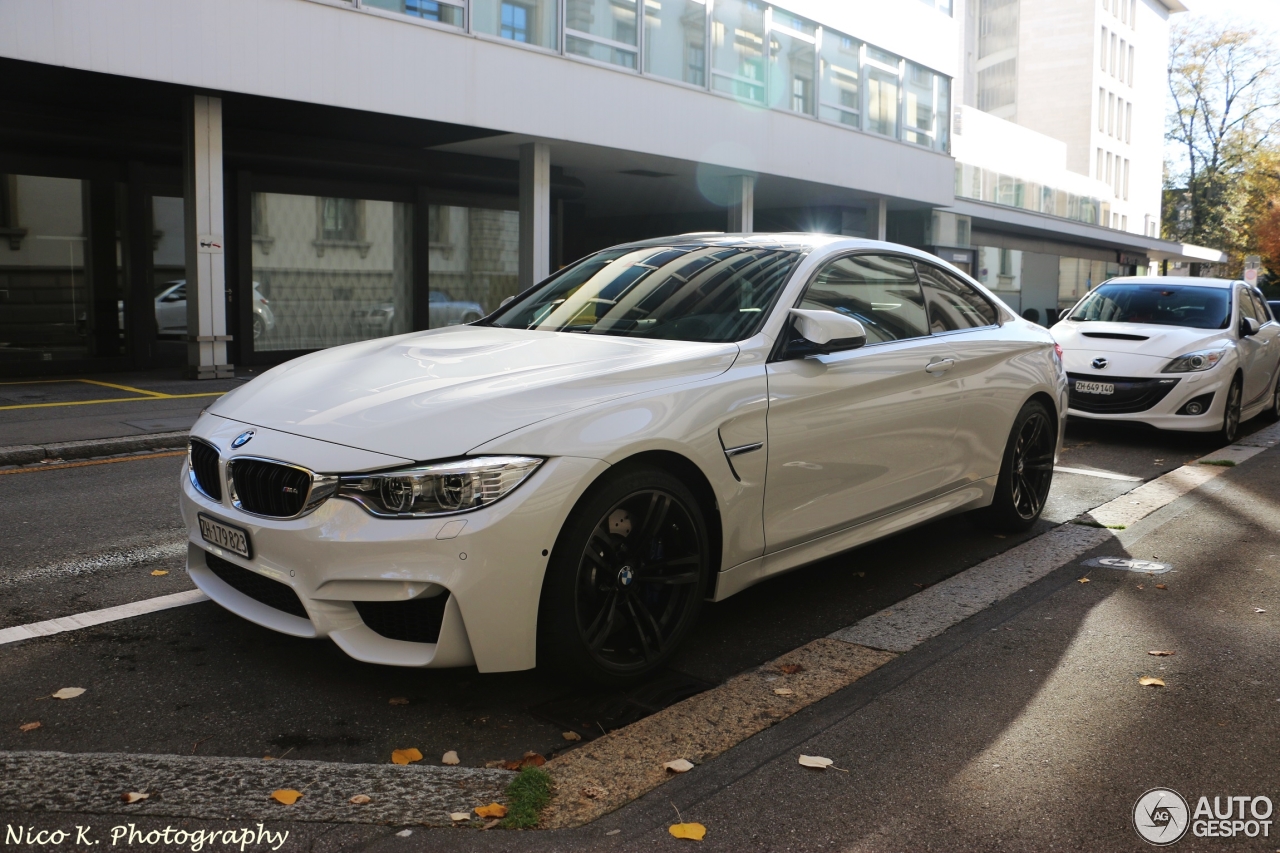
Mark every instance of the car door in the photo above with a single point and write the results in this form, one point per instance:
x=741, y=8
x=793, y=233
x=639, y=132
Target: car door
x=856, y=434
x=1255, y=350
x=1269, y=360
x=992, y=386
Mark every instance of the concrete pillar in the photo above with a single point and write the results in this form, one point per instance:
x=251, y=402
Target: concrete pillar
x=742, y=204
x=535, y=213
x=206, y=265
x=878, y=219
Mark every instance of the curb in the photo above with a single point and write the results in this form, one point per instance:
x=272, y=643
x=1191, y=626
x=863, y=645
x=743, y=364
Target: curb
x=29, y=454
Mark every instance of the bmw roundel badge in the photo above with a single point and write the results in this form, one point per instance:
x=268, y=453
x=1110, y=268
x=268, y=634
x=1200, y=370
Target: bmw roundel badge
x=243, y=438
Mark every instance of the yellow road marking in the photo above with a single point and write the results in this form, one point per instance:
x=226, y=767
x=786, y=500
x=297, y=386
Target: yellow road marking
x=125, y=388
x=61, y=465
x=111, y=400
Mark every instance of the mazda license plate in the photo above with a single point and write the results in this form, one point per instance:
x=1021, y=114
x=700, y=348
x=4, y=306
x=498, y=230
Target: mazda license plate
x=1095, y=388
x=233, y=539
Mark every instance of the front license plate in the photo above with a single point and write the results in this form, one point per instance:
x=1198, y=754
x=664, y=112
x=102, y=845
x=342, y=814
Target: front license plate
x=1095, y=388
x=233, y=539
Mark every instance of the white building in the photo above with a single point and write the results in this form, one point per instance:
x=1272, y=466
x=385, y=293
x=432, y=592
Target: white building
x=362, y=167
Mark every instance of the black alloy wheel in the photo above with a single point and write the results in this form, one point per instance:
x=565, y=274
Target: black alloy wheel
x=1026, y=472
x=627, y=579
x=1273, y=413
x=1231, y=414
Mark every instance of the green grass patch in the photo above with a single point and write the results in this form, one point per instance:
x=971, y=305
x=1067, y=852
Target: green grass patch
x=527, y=795
x=1115, y=527
x=1221, y=463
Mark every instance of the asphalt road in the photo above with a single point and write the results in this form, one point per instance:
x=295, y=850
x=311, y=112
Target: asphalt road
x=198, y=680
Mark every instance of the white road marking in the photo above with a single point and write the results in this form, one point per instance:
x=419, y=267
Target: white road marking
x=105, y=562
x=98, y=617
x=1088, y=472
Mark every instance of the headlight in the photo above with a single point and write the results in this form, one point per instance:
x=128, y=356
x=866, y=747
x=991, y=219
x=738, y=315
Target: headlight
x=1196, y=361
x=440, y=488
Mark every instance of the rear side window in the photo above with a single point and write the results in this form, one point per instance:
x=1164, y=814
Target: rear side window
x=1260, y=305
x=1247, y=306
x=953, y=305
x=879, y=291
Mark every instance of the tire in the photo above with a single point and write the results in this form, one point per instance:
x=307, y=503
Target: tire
x=258, y=327
x=626, y=579
x=1272, y=414
x=1230, y=430
x=1026, y=471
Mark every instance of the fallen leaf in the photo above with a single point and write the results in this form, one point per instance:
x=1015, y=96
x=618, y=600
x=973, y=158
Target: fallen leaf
x=491, y=824
x=783, y=691
x=288, y=796
x=613, y=832
x=399, y=700
x=455, y=816
x=1161, y=654
x=361, y=800
x=1140, y=586
x=158, y=573
x=405, y=756
x=593, y=792
x=492, y=810
x=815, y=761
x=532, y=759
x=862, y=574
x=1161, y=586
x=28, y=727
x=1082, y=580
x=450, y=758
x=68, y=693
x=572, y=737
x=680, y=765
x=1258, y=610
x=790, y=668
x=692, y=831
x=404, y=833
x=1149, y=681
x=133, y=796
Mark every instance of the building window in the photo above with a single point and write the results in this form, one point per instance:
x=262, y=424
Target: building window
x=430, y=10
x=737, y=49
x=1108, y=167
x=1126, y=179
x=515, y=22
x=882, y=101
x=1102, y=109
x=339, y=220
x=1130, y=65
x=527, y=21
x=1128, y=122
x=1133, y=13
x=1111, y=114
x=1103, y=51
x=604, y=30
x=1098, y=172
x=1114, y=45
x=792, y=63
x=475, y=254
x=997, y=57
x=839, y=97
x=1122, y=51
x=675, y=33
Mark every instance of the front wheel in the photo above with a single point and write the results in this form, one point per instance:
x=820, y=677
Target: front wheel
x=1273, y=412
x=1231, y=414
x=626, y=580
x=1026, y=471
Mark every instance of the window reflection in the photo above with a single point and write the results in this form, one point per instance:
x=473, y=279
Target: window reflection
x=329, y=271
x=675, y=34
x=604, y=30
x=528, y=21
x=882, y=101
x=792, y=59
x=474, y=256
x=430, y=10
x=841, y=69
x=737, y=49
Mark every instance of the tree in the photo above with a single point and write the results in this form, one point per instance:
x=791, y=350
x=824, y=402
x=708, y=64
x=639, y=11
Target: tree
x=1222, y=176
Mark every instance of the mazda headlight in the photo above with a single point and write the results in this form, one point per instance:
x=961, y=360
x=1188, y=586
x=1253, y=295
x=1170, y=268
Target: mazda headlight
x=438, y=488
x=1193, y=362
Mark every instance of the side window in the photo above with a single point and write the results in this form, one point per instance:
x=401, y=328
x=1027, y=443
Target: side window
x=953, y=305
x=1260, y=306
x=1247, y=308
x=879, y=291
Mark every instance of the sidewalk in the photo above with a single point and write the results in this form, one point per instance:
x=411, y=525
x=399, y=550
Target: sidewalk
x=101, y=414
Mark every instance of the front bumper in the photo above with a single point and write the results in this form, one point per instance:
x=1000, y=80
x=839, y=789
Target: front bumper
x=491, y=569
x=1163, y=413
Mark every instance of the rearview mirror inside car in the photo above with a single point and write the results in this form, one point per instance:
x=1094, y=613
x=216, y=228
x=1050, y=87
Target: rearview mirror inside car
x=828, y=331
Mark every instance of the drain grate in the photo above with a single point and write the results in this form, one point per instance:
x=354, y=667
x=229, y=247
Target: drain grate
x=594, y=713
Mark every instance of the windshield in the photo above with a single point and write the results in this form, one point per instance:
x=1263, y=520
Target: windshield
x=1158, y=304
x=714, y=294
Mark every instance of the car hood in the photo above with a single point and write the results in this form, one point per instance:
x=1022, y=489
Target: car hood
x=1141, y=339
x=438, y=394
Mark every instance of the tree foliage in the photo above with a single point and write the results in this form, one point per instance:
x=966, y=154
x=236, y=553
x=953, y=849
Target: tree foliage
x=1222, y=176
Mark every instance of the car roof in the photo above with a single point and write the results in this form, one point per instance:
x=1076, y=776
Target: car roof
x=1181, y=280
x=797, y=241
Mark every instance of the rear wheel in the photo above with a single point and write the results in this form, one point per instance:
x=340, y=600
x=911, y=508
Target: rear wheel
x=1273, y=413
x=1025, y=473
x=626, y=580
x=1231, y=414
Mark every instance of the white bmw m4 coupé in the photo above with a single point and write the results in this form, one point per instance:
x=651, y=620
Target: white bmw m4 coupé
x=565, y=481
x=1197, y=354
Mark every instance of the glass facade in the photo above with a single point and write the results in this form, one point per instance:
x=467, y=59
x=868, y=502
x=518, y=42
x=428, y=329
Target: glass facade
x=760, y=54
x=329, y=271
x=474, y=255
x=982, y=184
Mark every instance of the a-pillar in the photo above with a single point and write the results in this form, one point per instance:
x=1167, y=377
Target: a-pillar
x=535, y=213
x=206, y=268
x=742, y=204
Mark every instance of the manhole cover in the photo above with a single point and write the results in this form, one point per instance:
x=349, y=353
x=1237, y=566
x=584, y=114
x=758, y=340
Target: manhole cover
x=593, y=714
x=1129, y=564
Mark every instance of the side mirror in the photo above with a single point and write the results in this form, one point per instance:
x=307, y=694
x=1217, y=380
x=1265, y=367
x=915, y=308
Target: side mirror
x=828, y=331
x=1249, y=327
